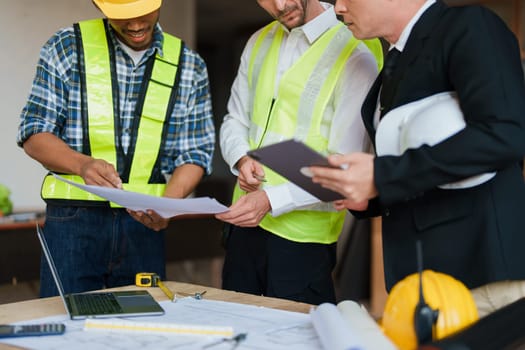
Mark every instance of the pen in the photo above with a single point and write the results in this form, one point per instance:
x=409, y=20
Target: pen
x=197, y=295
x=259, y=177
x=236, y=340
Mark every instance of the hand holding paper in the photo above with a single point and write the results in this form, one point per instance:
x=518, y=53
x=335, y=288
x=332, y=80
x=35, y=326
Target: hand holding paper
x=165, y=207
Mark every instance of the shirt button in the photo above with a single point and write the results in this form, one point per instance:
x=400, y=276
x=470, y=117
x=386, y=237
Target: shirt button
x=127, y=130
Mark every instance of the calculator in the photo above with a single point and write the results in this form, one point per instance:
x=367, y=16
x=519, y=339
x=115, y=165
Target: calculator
x=28, y=330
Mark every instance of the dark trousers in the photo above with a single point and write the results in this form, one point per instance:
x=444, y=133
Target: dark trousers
x=97, y=247
x=261, y=263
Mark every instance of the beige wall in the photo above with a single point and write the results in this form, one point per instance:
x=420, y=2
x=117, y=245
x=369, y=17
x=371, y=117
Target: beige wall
x=24, y=26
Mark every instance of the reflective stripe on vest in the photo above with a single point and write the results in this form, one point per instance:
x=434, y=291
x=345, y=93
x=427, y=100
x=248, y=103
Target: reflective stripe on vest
x=101, y=121
x=297, y=111
x=375, y=47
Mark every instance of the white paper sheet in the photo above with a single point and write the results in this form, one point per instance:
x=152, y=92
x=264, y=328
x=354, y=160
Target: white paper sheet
x=348, y=326
x=165, y=207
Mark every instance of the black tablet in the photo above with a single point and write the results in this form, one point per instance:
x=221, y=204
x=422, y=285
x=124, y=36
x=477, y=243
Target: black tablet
x=291, y=159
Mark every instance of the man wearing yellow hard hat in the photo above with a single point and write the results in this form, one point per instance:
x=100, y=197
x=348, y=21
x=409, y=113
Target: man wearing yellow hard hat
x=115, y=102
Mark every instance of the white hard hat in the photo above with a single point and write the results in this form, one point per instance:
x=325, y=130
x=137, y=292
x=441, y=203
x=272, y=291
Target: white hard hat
x=426, y=121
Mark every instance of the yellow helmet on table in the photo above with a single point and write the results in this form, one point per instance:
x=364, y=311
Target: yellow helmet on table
x=127, y=9
x=454, y=302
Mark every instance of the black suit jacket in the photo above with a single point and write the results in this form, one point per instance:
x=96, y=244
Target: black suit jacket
x=477, y=234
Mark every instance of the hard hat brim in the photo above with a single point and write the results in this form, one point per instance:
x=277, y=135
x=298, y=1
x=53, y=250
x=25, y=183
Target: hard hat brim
x=119, y=9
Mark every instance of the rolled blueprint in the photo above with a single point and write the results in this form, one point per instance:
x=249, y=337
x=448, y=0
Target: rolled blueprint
x=332, y=329
x=359, y=320
x=348, y=326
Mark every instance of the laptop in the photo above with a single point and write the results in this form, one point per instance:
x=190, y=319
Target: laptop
x=101, y=304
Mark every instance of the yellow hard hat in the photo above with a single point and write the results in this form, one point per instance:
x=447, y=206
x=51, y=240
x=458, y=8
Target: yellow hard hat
x=455, y=305
x=126, y=9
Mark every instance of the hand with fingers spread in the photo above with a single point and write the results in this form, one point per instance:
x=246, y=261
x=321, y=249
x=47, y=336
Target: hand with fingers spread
x=355, y=181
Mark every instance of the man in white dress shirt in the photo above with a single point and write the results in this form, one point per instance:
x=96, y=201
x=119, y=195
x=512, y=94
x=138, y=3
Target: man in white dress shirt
x=303, y=76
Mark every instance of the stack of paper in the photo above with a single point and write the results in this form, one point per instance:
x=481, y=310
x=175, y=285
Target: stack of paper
x=165, y=207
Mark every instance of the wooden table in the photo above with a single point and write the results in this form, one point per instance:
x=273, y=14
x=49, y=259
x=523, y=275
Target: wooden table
x=38, y=308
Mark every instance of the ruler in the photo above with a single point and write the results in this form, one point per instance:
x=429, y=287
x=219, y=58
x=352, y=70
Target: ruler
x=121, y=325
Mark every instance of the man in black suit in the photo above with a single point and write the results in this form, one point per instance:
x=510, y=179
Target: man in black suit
x=474, y=232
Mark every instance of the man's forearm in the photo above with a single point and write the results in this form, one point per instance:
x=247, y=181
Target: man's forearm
x=54, y=154
x=183, y=181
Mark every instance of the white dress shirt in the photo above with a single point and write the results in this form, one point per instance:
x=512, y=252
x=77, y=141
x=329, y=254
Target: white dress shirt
x=347, y=133
x=400, y=46
x=403, y=38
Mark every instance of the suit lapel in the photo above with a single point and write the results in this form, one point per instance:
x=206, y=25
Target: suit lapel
x=369, y=106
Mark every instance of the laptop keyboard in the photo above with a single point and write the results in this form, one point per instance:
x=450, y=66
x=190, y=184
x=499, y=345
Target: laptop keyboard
x=100, y=303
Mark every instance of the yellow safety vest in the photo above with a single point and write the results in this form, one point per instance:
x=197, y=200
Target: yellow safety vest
x=297, y=112
x=102, y=121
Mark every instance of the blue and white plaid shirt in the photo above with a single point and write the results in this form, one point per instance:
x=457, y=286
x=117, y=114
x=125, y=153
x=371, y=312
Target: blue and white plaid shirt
x=54, y=104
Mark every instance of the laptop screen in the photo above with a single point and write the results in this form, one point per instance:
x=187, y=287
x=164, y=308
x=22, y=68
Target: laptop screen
x=82, y=305
x=51, y=264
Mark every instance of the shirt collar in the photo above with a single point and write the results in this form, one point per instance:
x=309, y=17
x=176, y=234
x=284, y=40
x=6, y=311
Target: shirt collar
x=158, y=39
x=156, y=46
x=320, y=24
x=403, y=38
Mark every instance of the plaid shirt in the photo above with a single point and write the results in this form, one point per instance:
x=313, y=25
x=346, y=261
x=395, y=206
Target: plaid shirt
x=54, y=103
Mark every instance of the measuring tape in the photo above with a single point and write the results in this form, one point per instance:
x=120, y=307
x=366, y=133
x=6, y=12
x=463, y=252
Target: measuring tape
x=151, y=279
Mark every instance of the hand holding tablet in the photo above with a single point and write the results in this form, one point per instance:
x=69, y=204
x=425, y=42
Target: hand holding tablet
x=292, y=160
